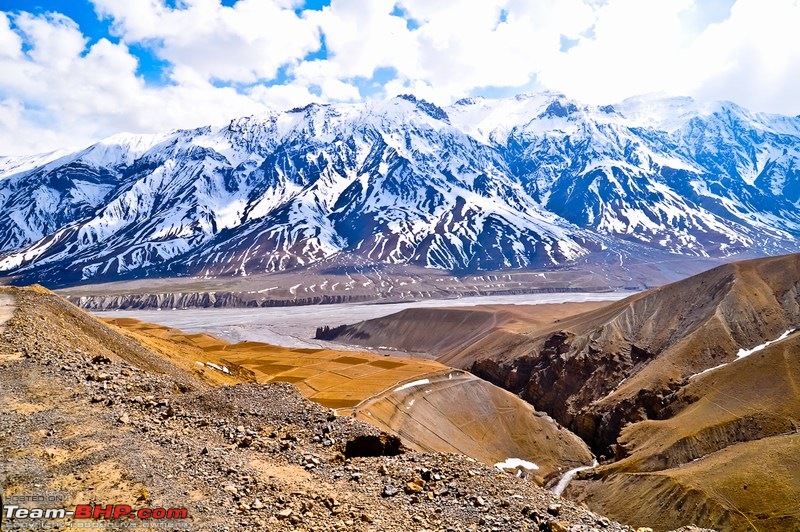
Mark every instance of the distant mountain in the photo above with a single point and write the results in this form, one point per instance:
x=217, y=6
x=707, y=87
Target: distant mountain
x=534, y=181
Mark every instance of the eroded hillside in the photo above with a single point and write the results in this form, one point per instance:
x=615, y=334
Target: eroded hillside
x=465, y=414
x=689, y=393
x=97, y=417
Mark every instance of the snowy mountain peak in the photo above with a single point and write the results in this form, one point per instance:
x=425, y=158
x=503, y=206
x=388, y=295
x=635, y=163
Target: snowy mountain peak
x=430, y=109
x=532, y=181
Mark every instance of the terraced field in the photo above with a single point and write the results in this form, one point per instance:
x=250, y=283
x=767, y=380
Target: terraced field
x=335, y=379
x=454, y=412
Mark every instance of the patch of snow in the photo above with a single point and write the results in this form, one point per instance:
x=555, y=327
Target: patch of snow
x=267, y=289
x=747, y=352
x=413, y=384
x=707, y=370
x=514, y=463
x=217, y=367
x=743, y=353
x=568, y=476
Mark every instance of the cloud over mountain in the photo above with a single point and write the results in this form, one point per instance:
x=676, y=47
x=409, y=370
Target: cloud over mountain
x=147, y=65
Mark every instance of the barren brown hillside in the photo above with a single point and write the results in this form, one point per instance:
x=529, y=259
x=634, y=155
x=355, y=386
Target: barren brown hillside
x=90, y=415
x=596, y=371
x=727, y=455
x=659, y=386
x=454, y=411
x=474, y=418
x=437, y=331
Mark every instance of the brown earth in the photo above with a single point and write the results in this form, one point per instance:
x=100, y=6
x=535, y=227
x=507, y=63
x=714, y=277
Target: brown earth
x=335, y=379
x=717, y=448
x=89, y=415
x=727, y=455
x=457, y=412
x=343, y=379
x=596, y=371
x=439, y=331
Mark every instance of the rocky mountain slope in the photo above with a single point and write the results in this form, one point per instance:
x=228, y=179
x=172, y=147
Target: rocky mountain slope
x=724, y=452
x=597, y=371
x=80, y=414
x=535, y=181
x=91, y=416
x=689, y=391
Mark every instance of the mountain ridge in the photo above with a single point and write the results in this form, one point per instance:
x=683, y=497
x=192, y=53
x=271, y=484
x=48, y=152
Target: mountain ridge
x=530, y=182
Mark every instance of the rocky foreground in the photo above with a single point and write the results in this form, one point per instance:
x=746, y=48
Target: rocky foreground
x=86, y=413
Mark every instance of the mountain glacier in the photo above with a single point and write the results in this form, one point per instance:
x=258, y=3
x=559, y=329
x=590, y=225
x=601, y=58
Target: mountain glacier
x=530, y=182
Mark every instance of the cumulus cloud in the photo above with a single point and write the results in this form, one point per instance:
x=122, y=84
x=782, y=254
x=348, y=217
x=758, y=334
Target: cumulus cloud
x=640, y=47
x=61, y=87
x=362, y=36
x=617, y=48
x=495, y=43
x=56, y=90
x=751, y=57
x=634, y=47
x=243, y=43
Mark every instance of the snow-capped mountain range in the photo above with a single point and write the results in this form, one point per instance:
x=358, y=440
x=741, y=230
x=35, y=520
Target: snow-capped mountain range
x=533, y=181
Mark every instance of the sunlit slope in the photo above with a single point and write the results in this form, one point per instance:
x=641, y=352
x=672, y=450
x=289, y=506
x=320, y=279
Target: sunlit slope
x=450, y=330
x=748, y=399
x=744, y=487
x=61, y=325
x=598, y=371
x=464, y=414
x=457, y=412
x=426, y=330
x=691, y=390
x=336, y=379
x=729, y=457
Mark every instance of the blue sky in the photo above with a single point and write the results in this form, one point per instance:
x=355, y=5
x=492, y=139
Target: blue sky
x=73, y=71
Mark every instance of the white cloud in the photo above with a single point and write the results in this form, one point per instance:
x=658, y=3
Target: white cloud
x=362, y=36
x=283, y=96
x=636, y=47
x=62, y=93
x=243, y=43
x=752, y=57
x=326, y=76
x=640, y=47
x=57, y=89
